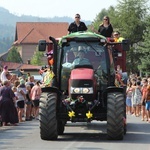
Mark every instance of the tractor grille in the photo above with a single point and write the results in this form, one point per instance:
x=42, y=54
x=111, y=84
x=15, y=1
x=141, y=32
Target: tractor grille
x=81, y=83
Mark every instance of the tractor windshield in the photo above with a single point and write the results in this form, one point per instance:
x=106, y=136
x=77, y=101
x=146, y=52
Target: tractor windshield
x=84, y=55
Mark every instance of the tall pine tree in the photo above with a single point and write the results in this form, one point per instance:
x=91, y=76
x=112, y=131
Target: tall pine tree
x=144, y=50
x=14, y=56
x=37, y=58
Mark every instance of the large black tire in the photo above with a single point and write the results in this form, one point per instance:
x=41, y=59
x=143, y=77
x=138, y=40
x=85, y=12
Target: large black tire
x=47, y=112
x=115, y=116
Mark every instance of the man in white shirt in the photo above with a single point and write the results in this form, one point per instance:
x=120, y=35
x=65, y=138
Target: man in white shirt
x=3, y=74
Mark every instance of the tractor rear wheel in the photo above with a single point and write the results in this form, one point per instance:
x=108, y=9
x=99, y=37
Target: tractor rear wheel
x=115, y=116
x=47, y=112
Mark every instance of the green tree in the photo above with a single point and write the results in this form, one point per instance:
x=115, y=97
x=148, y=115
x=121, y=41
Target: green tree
x=128, y=17
x=14, y=56
x=131, y=23
x=37, y=58
x=144, y=49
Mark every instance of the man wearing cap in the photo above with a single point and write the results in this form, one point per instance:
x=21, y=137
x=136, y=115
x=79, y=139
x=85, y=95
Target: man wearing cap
x=81, y=60
x=3, y=74
x=77, y=25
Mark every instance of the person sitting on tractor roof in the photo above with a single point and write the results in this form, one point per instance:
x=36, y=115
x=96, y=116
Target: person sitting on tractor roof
x=80, y=60
x=117, y=37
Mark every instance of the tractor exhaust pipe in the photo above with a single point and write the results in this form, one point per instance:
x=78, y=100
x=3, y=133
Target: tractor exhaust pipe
x=55, y=83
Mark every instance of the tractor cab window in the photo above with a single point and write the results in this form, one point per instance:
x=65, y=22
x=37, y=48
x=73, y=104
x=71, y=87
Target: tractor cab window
x=83, y=55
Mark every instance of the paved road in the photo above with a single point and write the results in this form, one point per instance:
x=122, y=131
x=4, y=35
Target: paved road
x=78, y=136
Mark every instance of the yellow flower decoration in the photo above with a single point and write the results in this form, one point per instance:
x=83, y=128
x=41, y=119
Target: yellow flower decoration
x=71, y=114
x=89, y=115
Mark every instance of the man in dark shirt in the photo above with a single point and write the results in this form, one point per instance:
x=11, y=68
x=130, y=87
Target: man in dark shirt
x=77, y=25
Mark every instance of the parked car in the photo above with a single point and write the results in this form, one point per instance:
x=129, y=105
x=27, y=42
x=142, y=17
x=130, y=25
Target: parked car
x=37, y=77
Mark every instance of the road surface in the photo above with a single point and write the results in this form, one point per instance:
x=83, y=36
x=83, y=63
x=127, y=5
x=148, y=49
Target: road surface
x=77, y=136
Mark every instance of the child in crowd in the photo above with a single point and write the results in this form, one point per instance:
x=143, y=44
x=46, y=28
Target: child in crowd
x=128, y=98
x=28, y=103
x=14, y=89
x=137, y=98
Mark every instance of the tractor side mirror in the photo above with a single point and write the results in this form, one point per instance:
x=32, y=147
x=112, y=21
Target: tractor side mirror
x=42, y=45
x=125, y=45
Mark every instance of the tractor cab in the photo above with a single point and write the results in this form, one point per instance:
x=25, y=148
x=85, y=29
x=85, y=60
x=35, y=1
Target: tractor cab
x=83, y=60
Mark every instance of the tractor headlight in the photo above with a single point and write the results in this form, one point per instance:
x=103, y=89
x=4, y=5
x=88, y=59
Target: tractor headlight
x=85, y=90
x=76, y=90
x=90, y=90
x=81, y=90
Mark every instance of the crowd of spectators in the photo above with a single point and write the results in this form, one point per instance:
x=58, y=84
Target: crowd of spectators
x=19, y=98
x=138, y=97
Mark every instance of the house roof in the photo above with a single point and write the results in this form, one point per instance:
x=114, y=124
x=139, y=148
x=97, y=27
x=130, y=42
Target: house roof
x=32, y=32
x=14, y=66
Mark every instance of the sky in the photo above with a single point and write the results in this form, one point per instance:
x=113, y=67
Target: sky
x=88, y=9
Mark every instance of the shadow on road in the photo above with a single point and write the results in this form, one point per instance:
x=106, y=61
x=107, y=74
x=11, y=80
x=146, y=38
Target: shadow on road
x=87, y=132
x=96, y=132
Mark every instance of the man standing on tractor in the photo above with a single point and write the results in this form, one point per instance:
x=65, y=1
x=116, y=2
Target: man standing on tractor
x=77, y=25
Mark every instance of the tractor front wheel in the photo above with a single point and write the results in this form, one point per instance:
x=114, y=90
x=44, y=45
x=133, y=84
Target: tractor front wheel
x=47, y=116
x=115, y=116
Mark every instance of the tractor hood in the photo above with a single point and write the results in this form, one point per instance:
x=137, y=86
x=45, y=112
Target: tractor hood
x=82, y=73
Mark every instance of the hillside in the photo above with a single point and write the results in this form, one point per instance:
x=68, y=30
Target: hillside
x=8, y=23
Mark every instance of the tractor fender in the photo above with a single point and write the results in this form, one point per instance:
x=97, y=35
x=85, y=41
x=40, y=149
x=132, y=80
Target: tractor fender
x=51, y=90
x=114, y=89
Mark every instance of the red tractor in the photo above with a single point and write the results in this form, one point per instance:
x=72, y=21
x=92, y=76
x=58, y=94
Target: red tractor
x=83, y=89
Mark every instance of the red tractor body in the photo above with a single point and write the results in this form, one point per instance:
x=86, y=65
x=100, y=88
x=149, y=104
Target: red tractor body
x=84, y=90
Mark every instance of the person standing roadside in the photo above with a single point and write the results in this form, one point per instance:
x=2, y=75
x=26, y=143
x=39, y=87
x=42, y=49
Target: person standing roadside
x=3, y=74
x=128, y=98
x=137, y=98
x=30, y=83
x=77, y=25
x=144, y=90
x=8, y=110
x=35, y=97
x=133, y=100
x=28, y=104
x=147, y=100
x=21, y=93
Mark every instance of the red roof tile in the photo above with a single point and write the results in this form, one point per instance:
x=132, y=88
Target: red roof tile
x=32, y=32
x=14, y=66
